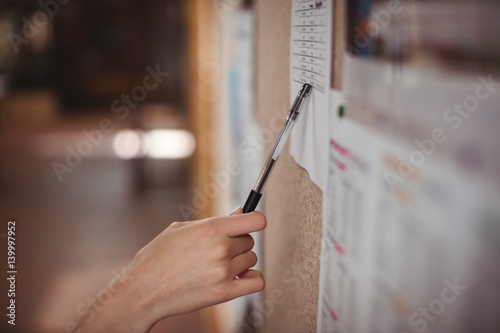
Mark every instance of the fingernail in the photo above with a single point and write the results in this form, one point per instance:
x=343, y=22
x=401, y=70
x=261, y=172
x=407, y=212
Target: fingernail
x=236, y=211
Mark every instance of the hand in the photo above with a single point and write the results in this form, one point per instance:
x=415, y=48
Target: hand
x=190, y=265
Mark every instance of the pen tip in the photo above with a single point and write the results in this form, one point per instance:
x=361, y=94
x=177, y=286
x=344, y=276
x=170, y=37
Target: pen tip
x=306, y=89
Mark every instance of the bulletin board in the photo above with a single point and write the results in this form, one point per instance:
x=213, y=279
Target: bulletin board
x=402, y=101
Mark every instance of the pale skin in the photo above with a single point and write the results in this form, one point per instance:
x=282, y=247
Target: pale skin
x=189, y=266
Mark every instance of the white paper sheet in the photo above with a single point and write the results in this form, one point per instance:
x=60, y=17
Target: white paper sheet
x=310, y=62
x=389, y=251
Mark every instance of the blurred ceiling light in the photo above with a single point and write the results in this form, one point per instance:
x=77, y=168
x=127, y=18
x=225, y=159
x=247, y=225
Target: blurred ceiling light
x=156, y=144
x=169, y=144
x=127, y=144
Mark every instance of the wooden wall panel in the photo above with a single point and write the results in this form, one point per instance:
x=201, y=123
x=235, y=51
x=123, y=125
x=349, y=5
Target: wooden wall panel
x=201, y=113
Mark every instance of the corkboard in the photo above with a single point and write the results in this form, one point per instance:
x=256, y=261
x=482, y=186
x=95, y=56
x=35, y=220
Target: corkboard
x=292, y=201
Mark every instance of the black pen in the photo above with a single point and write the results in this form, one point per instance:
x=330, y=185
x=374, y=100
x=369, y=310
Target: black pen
x=291, y=119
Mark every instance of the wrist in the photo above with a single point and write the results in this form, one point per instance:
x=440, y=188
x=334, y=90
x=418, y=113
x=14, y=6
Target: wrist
x=124, y=309
x=132, y=304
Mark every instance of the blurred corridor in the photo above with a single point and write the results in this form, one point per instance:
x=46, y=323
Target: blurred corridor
x=74, y=236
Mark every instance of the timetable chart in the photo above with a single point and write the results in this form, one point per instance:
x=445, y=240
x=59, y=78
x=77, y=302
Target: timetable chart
x=311, y=43
x=310, y=62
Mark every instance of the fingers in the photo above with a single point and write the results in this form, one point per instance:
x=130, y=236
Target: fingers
x=242, y=262
x=241, y=224
x=250, y=281
x=241, y=244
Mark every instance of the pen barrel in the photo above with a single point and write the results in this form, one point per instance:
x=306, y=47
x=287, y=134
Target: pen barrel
x=252, y=202
x=256, y=193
